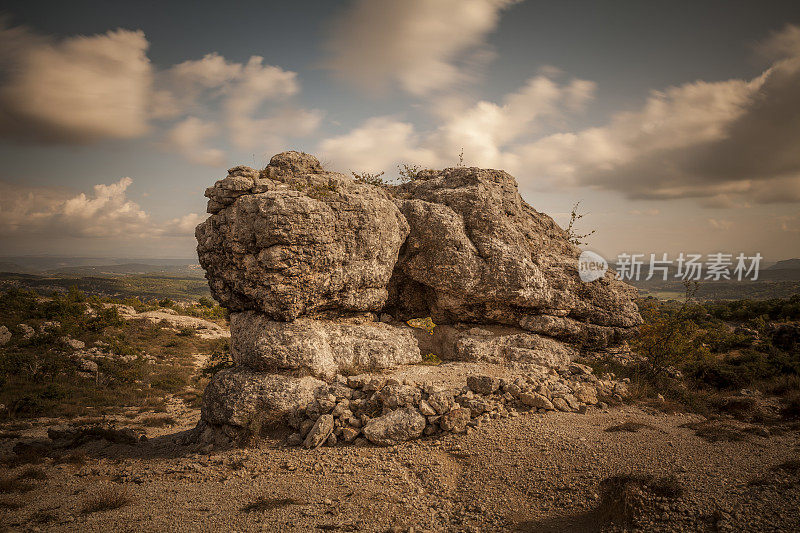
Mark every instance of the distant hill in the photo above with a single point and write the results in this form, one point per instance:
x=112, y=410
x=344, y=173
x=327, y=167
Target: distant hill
x=786, y=264
x=93, y=266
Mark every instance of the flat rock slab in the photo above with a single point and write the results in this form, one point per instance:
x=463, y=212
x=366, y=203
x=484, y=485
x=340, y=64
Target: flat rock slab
x=322, y=348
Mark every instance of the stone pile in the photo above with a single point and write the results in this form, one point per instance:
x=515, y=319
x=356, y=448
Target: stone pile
x=321, y=273
x=386, y=411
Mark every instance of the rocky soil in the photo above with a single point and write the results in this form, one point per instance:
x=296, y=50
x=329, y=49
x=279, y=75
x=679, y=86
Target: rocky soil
x=532, y=472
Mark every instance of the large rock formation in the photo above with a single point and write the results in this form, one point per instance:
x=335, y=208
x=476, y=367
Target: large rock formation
x=478, y=253
x=295, y=240
x=308, y=261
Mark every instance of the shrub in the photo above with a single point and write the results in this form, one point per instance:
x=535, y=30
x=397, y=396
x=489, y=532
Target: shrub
x=408, y=172
x=368, y=178
x=104, y=499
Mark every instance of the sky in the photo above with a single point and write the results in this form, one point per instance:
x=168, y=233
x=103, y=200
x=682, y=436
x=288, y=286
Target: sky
x=676, y=125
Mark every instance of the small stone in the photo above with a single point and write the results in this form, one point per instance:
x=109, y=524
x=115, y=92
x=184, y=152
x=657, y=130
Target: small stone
x=561, y=404
x=349, y=434
x=320, y=432
x=395, y=427
x=483, y=384
x=295, y=439
x=332, y=440
x=456, y=420
x=426, y=409
x=534, y=399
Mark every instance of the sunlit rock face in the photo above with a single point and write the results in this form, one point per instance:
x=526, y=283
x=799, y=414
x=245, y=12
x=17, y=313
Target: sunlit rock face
x=321, y=273
x=295, y=240
x=477, y=252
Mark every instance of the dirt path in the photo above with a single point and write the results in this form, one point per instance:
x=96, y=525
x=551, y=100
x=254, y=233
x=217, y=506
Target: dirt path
x=530, y=473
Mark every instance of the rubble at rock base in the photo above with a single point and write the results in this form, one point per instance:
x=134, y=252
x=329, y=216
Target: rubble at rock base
x=386, y=411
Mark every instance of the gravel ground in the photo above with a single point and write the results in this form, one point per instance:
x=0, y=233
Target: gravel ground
x=534, y=472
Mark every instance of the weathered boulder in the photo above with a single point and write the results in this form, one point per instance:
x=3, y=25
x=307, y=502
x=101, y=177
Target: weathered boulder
x=322, y=348
x=395, y=427
x=5, y=335
x=495, y=344
x=240, y=397
x=294, y=240
x=477, y=252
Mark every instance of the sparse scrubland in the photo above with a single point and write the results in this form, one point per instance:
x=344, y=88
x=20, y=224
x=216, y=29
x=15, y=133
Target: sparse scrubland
x=82, y=358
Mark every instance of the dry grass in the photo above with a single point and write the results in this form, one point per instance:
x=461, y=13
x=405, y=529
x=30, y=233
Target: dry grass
x=9, y=484
x=32, y=472
x=44, y=516
x=268, y=504
x=792, y=466
x=630, y=427
x=73, y=458
x=712, y=432
x=158, y=421
x=104, y=499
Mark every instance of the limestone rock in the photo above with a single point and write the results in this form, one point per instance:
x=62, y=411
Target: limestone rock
x=395, y=427
x=322, y=348
x=477, y=252
x=586, y=394
x=561, y=404
x=456, y=420
x=295, y=240
x=238, y=396
x=498, y=345
x=320, y=432
x=534, y=399
x=483, y=384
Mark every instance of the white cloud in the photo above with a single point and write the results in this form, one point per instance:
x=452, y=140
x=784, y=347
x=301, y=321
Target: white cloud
x=723, y=142
x=251, y=100
x=720, y=224
x=376, y=146
x=83, y=89
x=78, y=89
x=424, y=46
x=189, y=137
x=183, y=226
x=644, y=212
x=486, y=131
x=105, y=213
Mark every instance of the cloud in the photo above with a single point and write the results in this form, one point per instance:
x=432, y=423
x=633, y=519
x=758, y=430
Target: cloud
x=645, y=212
x=182, y=226
x=376, y=146
x=423, y=46
x=105, y=213
x=77, y=90
x=725, y=143
x=487, y=132
x=720, y=224
x=722, y=142
x=251, y=99
x=84, y=89
x=188, y=138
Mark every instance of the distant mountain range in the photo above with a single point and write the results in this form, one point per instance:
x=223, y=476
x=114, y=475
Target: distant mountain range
x=786, y=264
x=96, y=266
